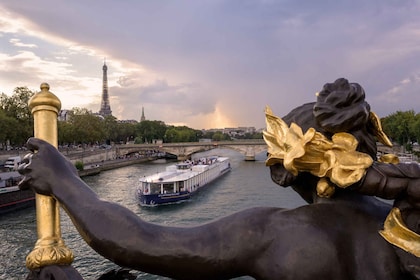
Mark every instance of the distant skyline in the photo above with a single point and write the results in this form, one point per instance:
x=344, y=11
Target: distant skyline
x=211, y=63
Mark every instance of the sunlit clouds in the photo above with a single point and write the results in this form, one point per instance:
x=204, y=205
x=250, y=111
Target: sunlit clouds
x=211, y=64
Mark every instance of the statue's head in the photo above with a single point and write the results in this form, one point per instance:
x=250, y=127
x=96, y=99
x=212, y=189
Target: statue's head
x=341, y=107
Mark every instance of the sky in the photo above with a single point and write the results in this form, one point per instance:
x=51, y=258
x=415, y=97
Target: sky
x=211, y=63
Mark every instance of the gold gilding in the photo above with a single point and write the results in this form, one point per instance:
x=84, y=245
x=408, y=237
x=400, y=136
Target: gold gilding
x=375, y=121
x=50, y=248
x=396, y=233
x=44, y=100
x=324, y=188
x=389, y=158
x=336, y=159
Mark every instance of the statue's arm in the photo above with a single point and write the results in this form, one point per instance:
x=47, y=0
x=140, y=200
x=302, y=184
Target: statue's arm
x=392, y=181
x=399, y=182
x=221, y=249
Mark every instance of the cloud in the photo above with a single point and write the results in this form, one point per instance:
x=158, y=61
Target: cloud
x=171, y=103
x=408, y=88
x=18, y=43
x=197, y=62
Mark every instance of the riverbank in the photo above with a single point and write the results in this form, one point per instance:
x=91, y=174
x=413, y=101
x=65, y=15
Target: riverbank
x=96, y=168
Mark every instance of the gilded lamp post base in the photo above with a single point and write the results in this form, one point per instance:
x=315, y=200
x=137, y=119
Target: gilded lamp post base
x=48, y=252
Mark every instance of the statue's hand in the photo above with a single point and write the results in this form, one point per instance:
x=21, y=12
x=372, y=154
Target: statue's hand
x=44, y=167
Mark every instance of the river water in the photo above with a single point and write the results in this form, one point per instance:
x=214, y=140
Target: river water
x=247, y=185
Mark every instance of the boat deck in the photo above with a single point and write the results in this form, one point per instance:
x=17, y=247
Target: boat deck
x=170, y=176
x=174, y=175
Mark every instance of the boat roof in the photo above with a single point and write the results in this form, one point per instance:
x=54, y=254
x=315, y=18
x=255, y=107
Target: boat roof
x=170, y=176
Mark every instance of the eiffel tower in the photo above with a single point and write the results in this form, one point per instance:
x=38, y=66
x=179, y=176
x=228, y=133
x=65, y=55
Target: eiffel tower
x=105, y=107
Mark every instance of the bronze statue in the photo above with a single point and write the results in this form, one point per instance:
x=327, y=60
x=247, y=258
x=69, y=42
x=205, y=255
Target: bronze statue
x=336, y=236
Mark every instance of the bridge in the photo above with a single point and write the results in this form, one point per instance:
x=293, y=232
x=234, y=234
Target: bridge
x=249, y=148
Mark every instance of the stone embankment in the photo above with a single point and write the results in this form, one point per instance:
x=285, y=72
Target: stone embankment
x=96, y=168
x=94, y=161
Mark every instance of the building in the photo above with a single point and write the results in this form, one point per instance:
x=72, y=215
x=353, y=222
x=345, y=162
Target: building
x=105, y=107
x=64, y=115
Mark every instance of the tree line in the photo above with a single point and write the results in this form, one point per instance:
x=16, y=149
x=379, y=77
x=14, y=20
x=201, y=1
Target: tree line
x=403, y=127
x=84, y=127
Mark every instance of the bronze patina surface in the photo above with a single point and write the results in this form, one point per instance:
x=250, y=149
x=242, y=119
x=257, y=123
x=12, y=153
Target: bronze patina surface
x=330, y=238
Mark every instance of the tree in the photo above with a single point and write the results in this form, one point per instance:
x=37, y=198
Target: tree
x=220, y=136
x=147, y=131
x=177, y=134
x=86, y=127
x=399, y=126
x=125, y=132
x=16, y=107
x=8, y=130
x=415, y=127
x=109, y=126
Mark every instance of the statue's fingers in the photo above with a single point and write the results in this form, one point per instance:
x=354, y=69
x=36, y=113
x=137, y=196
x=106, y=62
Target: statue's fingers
x=25, y=163
x=24, y=183
x=31, y=144
x=27, y=159
x=34, y=144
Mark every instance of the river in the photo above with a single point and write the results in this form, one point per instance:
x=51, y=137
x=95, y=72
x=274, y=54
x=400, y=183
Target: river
x=247, y=185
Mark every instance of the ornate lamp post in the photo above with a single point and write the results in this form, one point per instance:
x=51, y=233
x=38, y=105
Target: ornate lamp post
x=49, y=248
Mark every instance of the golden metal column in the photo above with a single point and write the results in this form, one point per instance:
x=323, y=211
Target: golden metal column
x=49, y=248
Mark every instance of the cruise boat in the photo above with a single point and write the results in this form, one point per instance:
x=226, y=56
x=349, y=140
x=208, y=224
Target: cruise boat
x=11, y=197
x=180, y=181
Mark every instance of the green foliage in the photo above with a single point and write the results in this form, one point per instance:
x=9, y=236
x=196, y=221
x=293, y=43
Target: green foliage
x=82, y=126
x=415, y=128
x=110, y=127
x=79, y=165
x=402, y=127
x=8, y=128
x=181, y=134
x=148, y=131
x=16, y=106
x=219, y=136
x=16, y=123
x=85, y=127
x=255, y=135
x=124, y=132
x=215, y=136
x=65, y=132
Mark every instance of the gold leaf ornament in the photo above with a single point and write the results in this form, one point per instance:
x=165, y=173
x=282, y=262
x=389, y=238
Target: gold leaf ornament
x=336, y=159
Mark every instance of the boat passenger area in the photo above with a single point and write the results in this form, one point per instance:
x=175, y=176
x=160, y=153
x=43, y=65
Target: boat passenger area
x=180, y=180
x=9, y=179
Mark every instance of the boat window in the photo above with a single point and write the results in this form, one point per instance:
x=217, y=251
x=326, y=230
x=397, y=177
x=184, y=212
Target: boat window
x=154, y=188
x=183, y=166
x=168, y=188
x=181, y=186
